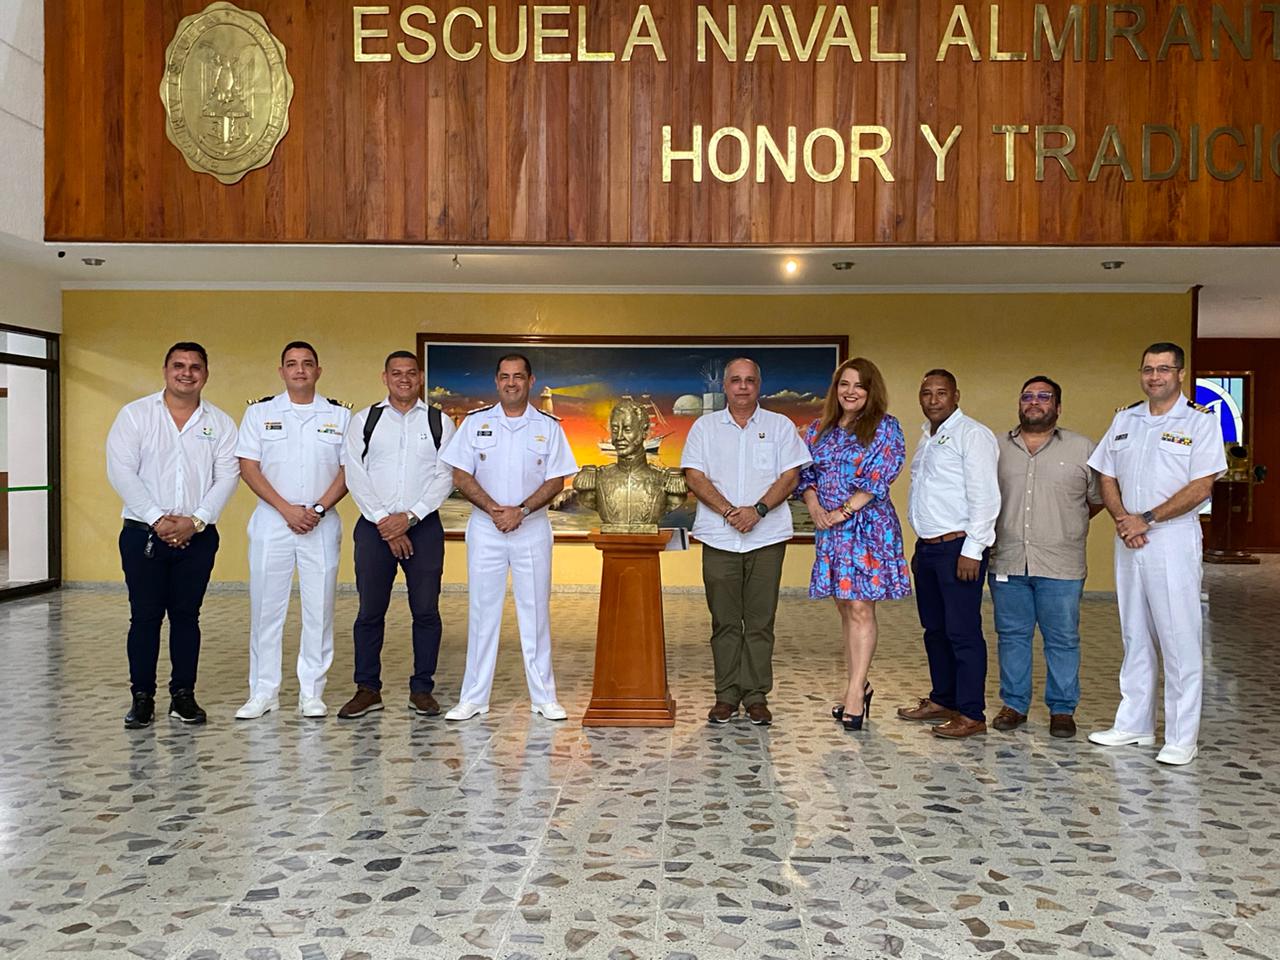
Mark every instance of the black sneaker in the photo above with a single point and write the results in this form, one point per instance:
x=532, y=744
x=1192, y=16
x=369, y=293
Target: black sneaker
x=183, y=706
x=141, y=713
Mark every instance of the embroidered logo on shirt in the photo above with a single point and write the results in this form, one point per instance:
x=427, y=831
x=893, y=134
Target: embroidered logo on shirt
x=1181, y=439
x=208, y=434
x=330, y=428
x=539, y=439
x=273, y=425
x=1120, y=436
x=760, y=435
x=943, y=439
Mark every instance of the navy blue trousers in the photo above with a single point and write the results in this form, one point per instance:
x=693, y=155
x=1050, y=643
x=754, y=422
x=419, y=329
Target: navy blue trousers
x=170, y=582
x=375, y=573
x=951, y=614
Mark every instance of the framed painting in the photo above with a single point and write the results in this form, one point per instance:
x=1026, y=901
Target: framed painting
x=579, y=379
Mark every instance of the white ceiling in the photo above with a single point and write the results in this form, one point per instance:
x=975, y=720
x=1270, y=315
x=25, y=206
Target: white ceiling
x=1240, y=295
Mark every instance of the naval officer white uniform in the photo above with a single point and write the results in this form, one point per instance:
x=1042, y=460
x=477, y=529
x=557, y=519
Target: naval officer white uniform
x=291, y=455
x=510, y=461
x=1157, y=464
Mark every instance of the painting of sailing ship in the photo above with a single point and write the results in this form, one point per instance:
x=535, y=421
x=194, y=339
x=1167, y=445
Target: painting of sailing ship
x=578, y=380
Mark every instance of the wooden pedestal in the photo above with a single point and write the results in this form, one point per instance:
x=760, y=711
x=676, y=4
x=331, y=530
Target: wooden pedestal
x=1227, y=524
x=630, y=686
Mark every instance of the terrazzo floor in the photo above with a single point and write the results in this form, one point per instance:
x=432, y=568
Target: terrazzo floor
x=514, y=837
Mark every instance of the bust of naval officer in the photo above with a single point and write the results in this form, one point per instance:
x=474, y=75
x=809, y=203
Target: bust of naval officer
x=631, y=495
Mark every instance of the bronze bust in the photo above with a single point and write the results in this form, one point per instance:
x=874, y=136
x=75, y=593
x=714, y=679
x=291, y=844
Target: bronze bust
x=631, y=495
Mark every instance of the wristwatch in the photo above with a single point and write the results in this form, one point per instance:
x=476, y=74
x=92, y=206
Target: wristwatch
x=524, y=511
x=198, y=524
x=319, y=510
x=413, y=518
x=1149, y=518
x=762, y=508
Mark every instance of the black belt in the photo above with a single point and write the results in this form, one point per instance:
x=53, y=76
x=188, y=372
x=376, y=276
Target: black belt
x=138, y=525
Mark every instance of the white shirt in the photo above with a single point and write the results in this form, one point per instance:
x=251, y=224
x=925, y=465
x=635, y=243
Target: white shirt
x=158, y=469
x=300, y=451
x=1152, y=458
x=510, y=457
x=742, y=463
x=403, y=471
x=954, y=484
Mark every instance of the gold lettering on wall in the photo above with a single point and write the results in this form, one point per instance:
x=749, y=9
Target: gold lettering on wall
x=959, y=33
x=726, y=40
x=1009, y=130
x=360, y=33
x=940, y=151
x=1059, y=153
x=644, y=33
x=408, y=29
x=446, y=33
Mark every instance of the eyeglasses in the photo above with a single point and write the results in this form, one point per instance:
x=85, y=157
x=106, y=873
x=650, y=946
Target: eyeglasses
x=1164, y=370
x=1044, y=396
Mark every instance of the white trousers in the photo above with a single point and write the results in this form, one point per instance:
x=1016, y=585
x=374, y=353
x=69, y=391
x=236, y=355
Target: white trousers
x=274, y=553
x=1158, y=589
x=526, y=552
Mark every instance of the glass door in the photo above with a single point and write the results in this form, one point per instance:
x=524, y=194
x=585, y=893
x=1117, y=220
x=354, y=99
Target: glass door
x=30, y=505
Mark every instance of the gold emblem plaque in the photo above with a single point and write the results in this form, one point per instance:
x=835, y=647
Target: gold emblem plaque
x=226, y=91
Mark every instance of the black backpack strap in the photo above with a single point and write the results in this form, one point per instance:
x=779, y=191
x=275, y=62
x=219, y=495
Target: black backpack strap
x=437, y=424
x=375, y=414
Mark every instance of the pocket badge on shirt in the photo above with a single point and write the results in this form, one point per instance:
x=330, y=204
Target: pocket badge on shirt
x=207, y=434
x=273, y=425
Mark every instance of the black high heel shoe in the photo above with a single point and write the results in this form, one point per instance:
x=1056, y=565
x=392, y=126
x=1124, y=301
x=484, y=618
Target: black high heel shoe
x=837, y=712
x=854, y=721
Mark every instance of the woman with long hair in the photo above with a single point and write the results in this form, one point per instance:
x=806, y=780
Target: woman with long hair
x=858, y=451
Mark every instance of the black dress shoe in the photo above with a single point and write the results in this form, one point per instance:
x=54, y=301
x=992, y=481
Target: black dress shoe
x=183, y=706
x=141, y=713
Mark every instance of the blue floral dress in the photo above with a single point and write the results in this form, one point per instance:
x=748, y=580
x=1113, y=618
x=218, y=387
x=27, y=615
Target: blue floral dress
x=861, y=558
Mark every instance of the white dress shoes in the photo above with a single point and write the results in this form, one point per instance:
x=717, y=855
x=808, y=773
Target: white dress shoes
x=552, y=710
x=1175, y=755
x=465, y=711
x=255, y=707
x=312, y=707
x=1121, y=738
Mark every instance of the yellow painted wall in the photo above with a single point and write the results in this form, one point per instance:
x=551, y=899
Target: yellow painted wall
x=114, y=344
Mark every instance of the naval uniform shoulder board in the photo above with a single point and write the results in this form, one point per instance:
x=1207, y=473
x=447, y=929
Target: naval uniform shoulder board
x=551, y=415
x=1198, y=406
x=250, y=403
x=1128, y=406
x=339, y=403
x=481, y=409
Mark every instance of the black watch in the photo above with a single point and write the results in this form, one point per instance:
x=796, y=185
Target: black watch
x=319, y=510
x=762, y=508
x=1149, y=518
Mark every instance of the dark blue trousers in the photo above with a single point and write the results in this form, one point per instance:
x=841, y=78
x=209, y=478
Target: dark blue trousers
x=375, y=573
x=170, y=582
x=951, y=614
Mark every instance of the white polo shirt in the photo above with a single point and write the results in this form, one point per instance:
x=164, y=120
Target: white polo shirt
x=158, y=469
x=742, y=463
x=1152, y=458
x=300, y=452
x=510, y=457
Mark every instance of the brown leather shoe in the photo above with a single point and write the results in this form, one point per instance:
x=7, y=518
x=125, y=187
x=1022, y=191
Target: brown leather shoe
x=424, y=704
x=759, y=714
x=926, y=709
x=722, y=712
x=1008, y=719
x=1062, y=725
x=366, y=700
x=959, y=727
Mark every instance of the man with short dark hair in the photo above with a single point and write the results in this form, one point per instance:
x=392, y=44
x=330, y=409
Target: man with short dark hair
x=397, y=479
x=953, y=503
x=1048, y=494
x=742, y=463
x=510, y=460
x=291, y=455
x=1158, y=463
x=171, y=458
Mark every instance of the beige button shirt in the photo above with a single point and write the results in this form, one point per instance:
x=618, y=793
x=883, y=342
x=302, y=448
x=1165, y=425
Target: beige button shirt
x=1044, y=506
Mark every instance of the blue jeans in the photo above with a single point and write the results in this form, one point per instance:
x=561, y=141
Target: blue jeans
x=1021, y=602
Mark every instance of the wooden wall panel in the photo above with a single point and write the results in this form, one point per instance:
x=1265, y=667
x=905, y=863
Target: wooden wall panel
x=485, y=152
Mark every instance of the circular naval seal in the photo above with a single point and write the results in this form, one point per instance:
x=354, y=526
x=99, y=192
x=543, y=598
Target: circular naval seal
x=226, y=91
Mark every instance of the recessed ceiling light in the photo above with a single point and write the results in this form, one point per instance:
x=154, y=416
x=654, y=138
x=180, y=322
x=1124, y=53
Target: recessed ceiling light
x=92, y=261
x=843, y=264
x=1112, y=264
x=790, y=266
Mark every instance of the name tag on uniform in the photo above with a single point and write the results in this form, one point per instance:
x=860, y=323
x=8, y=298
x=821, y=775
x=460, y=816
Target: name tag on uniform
x=481, y=433
x=1181, y=439
x=1120, y=436
x=273, y=425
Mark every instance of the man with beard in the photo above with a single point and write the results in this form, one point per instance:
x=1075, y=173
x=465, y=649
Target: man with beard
x=1048, y=494
x=1158, y=463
